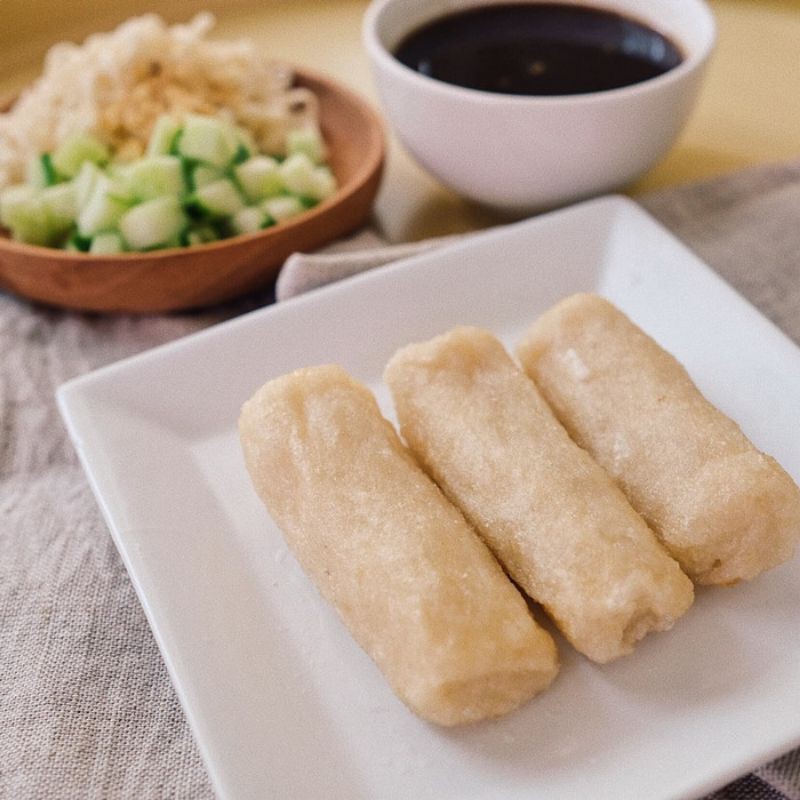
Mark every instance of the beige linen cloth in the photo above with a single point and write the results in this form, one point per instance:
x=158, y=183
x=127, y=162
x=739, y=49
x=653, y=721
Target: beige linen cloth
x=86, y=707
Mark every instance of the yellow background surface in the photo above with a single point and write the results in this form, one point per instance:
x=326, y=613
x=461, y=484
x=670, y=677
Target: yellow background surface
x=748, y=113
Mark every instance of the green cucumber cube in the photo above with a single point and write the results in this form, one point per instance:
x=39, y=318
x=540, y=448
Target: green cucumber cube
x=33, y=229
x=154, y=223
x=163, y=136
x=78, y=243
x=259, y=178
x=209, y=140
x=155, y=176
x=107, y=244
x=240, y=140
x=41, y=172
x=297, y=173
x=85, y=181
x=202, y=175
x=282, y=208
x=323, y=184
x=22, y=213
x=14, y=201
x=242, y=154
x=119, y=190
x=77, y=149
x=218, y=199
x=246, y=139
x=118, y=170
x=60, y=207
x=308, y=141
x=249, y=220
x=319, y=186
x=201, y=234
x=103, y=209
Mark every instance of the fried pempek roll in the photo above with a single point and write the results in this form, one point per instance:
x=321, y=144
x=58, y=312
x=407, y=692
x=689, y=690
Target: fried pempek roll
x=551, y=515
x=410, y=578
x=724, y=510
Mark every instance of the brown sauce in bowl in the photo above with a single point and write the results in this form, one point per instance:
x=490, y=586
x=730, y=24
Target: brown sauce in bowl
x=538, y=49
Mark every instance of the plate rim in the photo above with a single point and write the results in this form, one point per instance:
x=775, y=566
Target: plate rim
x=69, y=395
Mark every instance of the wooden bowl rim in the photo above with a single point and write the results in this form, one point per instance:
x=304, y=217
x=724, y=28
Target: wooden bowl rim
x=372, y=162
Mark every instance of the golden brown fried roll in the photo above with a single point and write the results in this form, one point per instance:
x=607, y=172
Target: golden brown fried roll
x=418, y=589
x=724, y=510
x=551, y=515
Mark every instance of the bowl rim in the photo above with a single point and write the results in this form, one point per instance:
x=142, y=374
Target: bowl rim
x=374, y=157
x=381, y=55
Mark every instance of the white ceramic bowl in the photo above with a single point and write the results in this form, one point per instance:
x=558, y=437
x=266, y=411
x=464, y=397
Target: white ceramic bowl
x=520, y=153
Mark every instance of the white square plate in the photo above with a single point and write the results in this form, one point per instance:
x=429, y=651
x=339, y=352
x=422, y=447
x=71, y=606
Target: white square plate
x=281, y=700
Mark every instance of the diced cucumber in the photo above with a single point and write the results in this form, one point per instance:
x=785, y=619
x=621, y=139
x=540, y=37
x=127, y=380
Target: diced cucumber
x=209, y=140
x=14, y=200
x=308, y=141
x=247, y=139
x=85, y=181
x=162, y=138
x=22, y=213
x=241, y=142
x=241, y=155
x=259, y=178
x=78, y=243
x=218, y=199
x=76, y=150
x=249, y=220
x=281, y=208
x=317, y=187
x=187, y=168
x=173, y=241
x=193, y=238
x=103, y=209
x=32, y=228
x=297, y=174
x=153, y=223
x=107, y=244
x=41, y=172
x=76, y=199
x=119, y=190
x=119, y=171
x=155, y=176
x=60, y=207
x=202, y=175
x=323, y=184
x=201, y=234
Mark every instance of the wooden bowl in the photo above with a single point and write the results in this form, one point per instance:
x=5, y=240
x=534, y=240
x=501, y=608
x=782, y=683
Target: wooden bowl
x=192, y=277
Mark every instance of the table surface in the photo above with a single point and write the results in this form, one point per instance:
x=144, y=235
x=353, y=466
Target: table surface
x=748, y=112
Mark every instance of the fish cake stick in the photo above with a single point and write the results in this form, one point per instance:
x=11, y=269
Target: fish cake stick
x=407, y=574
x=724, y=510
x=555, y=520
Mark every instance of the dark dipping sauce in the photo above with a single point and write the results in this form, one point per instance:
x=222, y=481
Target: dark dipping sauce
x=538, y=49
